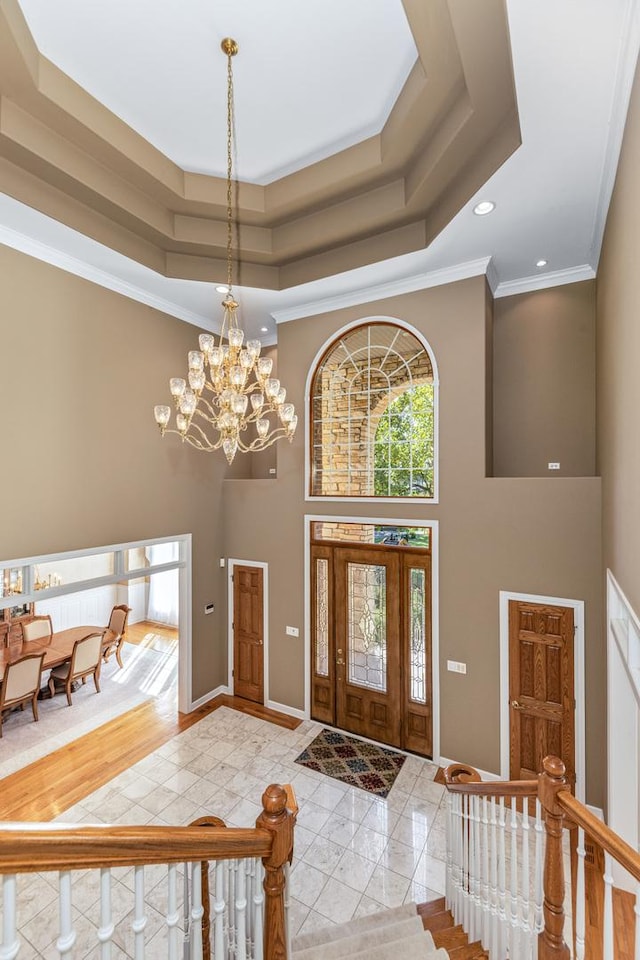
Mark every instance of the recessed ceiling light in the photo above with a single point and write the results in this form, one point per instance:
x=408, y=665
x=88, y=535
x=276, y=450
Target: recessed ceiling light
x=541, y=263
x=264, y=329
x=484, y=207
x=222, y=289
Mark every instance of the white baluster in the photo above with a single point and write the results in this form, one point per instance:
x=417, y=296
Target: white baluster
x=485, y=894
x=139, y=916
x=448, y=890
x=607, y=923
x=465, y=864
x=458, y=827
x=172, y=911
x=258, y=901
x=502, y=878
x=232, y=867
x=525, y=892
x=197, y=910
x=241, y=913
x=580, y=897
x=67, y=936
x=10, y=942
x=539, y=857
x=249, y=873
x=106, y=928
x=218, y=909
x=513, y=915
x=637, y=913
x=478, y=868
x=494, y=937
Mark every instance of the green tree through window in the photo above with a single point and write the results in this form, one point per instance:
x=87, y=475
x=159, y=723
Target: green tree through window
x=403, y=446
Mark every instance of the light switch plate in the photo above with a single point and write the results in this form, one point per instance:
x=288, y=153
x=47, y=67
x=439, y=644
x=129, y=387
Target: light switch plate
x=554, y=466
x=292, y=632
x=456, y=667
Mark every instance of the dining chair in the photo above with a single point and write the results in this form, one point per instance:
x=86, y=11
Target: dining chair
x=113, y=636
x=39, y=628
x=85, y=659
x=21, y=682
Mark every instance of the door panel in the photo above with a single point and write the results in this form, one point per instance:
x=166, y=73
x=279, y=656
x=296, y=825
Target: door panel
x=248, y=649
x=417, y=719
x=541, y=688
x=323, y=680
x=367, y=619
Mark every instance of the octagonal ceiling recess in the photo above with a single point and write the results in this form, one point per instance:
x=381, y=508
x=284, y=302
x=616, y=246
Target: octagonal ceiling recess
x=453, y=123
x=312, y=78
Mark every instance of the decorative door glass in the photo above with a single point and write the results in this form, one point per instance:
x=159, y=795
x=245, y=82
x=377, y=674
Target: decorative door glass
x=322, y=617
x=417, y=635
x=366, y=625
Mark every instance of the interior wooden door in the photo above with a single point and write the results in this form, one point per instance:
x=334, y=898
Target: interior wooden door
x=367, y=643
x=541, y=688
x=248, y=630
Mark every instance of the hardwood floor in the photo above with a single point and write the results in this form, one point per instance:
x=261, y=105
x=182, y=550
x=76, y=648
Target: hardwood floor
x=48, y=787
x=154, y=635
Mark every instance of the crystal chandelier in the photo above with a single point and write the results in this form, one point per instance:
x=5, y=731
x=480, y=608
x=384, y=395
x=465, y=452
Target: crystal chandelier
x=229, y=398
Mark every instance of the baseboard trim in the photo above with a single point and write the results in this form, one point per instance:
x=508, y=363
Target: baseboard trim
x=287, y=710
x=444, y=762
x=200, y=702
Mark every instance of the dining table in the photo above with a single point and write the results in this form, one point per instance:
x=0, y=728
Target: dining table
x=57, y=648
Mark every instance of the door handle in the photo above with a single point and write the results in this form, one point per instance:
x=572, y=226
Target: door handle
x=516, y=705
x=339, y=660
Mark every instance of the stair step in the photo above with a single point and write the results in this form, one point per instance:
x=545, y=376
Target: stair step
x=439, y=921
x=471, y=951
x=432, y=907
x=450, y=938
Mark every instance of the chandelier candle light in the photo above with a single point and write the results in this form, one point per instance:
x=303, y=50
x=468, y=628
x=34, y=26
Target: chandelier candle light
x=229, y=387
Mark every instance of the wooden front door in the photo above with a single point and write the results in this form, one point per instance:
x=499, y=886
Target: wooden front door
x=541, y=688
x=248, y=638
x=371, y=642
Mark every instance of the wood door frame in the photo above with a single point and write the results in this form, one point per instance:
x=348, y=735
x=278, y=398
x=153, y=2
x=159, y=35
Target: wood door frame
x=435, y=611
x=578, y=679
x=231, y=563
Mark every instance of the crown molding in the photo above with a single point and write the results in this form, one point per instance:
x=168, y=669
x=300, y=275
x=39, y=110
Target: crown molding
x=626, y=68
x=542, y=281
x=64, y=261
x=380, y=291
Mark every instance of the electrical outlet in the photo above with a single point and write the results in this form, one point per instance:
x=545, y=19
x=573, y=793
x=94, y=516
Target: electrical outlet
x=554, y=466
x=209, y=608
x=292, y=632
x=456, y=667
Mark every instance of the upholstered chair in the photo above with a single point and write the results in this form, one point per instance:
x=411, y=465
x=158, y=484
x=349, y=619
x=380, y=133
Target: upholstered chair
x=86, y=659
x=40, y=628
x=21, y=682
x=113, y=636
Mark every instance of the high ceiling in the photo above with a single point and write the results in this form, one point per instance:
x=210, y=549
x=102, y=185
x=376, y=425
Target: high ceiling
x=417, y=98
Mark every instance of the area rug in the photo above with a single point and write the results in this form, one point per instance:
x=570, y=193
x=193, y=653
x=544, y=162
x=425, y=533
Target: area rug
x=147, y=674
x=356, y=762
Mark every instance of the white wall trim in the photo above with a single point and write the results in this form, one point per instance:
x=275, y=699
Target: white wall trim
x=578, y=679
x=207, y=697
x=231, y=563
x=393, y=288
x=541, y=281
x=435, y=608
x=81, y=268
x=626, y=67
x=436, y=414
x=286, y=709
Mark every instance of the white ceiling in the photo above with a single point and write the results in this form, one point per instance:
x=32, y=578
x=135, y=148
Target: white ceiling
x=573, y=64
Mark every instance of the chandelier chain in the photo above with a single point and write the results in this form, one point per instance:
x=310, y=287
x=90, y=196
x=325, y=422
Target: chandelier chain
x=229, y=170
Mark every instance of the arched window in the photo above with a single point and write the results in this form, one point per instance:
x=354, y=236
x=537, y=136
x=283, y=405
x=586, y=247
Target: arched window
x=373, y=416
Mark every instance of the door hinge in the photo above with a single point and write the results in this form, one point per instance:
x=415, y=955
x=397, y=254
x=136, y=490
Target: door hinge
x=233, y=673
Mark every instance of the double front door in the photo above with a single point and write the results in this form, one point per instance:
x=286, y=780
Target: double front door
x=371, y=643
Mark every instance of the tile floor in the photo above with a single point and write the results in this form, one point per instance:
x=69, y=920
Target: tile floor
x=355, y=854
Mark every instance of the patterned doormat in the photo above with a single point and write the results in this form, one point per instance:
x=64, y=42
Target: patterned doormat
x=360, y=764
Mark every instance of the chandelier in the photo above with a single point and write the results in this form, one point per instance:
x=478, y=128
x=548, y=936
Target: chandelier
x=229, y=398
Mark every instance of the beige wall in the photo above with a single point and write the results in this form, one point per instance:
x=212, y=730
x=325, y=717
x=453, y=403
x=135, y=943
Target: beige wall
x=538, y=536
x=83, y=463
x=545, y=382
x=618, y=341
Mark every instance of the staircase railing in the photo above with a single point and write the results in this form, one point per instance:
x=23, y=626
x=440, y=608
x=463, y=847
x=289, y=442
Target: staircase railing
x=248, y=889
x=508, y=853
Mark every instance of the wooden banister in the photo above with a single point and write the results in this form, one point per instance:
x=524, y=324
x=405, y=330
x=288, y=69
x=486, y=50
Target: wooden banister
x=601, y=833
x=279, y=821
x=551, y=781
x=461, y=778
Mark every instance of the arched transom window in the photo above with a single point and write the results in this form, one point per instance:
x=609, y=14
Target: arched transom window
x=372, y=416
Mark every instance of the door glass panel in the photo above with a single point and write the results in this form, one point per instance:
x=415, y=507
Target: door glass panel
x=417, y=636
x=322, y=617
x=366, y=625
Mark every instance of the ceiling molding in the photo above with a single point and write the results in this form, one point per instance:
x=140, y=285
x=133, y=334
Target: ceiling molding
x=626, y=68
x=394, y=288
x=80, y=268
x=542, y=281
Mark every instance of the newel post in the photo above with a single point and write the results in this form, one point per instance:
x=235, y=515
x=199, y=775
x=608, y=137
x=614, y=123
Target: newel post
x=279, y=822
x=551, y=944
